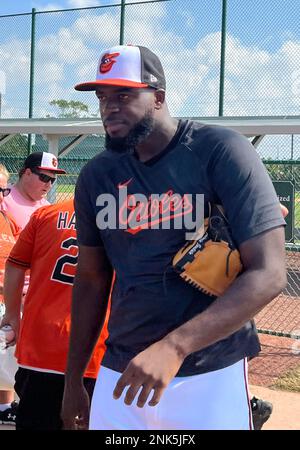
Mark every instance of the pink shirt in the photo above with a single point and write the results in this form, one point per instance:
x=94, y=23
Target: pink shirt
x=20, y=207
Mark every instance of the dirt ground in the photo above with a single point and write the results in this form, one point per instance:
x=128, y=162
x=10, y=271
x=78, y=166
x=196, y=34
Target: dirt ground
x=286, y=408
x=278, y=356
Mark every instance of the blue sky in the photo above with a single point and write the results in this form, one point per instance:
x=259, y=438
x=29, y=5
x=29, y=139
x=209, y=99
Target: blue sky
x=262, y=56
x=23, y=6
x=277, y=19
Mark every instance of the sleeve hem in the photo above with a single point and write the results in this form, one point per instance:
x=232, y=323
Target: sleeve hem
x=20, y=264
x=265, y=226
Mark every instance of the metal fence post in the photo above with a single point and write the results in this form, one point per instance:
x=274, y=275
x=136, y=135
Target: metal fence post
x=222, y=63
x=31, y=81
x=122, y=22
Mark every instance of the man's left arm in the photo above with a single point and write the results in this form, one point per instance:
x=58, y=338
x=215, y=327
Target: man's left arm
x=17, y=264
x=263, y=278
x=13, y=290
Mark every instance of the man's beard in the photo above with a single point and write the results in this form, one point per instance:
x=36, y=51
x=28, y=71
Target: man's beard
x=135, y=136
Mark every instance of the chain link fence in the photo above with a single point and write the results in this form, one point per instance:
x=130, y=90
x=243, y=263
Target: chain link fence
x=43, y=54
x=261, y=77
x=282, y=316
x=63, y=189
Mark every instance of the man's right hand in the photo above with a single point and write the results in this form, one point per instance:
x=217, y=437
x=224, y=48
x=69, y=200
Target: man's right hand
x=75, y=408
x=14, y=322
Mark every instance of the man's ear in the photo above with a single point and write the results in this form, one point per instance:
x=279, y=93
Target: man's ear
x=160, y=96
x=27, y=171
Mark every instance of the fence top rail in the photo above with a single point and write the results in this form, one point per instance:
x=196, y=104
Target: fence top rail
x=257, y=125
x=292, y=247
x=81, y=8
x=249, y=126
x=59, y=127
x=284, y=162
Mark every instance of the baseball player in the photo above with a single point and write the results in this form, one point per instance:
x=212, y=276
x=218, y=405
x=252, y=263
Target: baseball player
x=176, y=357
x=48, y=247
x=36, y=176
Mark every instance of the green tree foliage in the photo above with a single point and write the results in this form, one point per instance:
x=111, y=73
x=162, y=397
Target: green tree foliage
x=69, y=109
x=285, y=172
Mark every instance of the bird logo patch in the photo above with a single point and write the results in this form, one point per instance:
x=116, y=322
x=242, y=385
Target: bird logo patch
x=107, y=62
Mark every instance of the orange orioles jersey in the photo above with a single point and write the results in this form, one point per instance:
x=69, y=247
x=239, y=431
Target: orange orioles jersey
x=9, y=231
x=48, y=246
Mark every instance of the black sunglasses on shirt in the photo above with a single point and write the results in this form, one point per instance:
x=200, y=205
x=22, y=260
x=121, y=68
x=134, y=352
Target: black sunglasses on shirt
x=5, y=191
x=43, y=177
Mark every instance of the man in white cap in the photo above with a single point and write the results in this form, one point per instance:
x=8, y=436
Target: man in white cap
x=176, y=357
x=35, y=180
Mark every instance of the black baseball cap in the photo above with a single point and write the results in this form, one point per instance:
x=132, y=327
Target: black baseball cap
x=44, y=161
x=129, y=66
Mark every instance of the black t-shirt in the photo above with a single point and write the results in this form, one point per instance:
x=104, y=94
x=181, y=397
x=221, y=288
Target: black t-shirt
x=149, y=299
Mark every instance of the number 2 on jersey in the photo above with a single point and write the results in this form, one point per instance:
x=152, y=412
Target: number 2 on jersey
x=59, y=273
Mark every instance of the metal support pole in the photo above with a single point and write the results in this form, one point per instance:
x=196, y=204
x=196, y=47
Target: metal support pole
x=122, y=22
x=53, y=142
x=222, y=63
x=31, y=82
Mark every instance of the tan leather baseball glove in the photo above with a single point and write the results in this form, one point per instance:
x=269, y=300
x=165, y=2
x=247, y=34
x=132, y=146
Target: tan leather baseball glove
x=211, y=262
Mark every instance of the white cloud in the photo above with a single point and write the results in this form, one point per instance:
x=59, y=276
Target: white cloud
x=65, y=46
x=2, y=82
x=87, y=71
x=9, y=110
x=188, y=18
x=290, y=51
x=55, y=91
x=239, y=58
x=64, y=5
x=47, y=7
x=15, y=61
x=257, y=81
x=49, y=72
x=102, y=29
x=82, y=3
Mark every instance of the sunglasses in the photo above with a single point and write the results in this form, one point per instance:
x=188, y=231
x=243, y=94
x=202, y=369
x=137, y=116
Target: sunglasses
x=44, y=178
x=5, y=191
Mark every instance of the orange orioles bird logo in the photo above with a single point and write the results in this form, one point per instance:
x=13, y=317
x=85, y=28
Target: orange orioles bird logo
x=54, y=162
x=107, y=62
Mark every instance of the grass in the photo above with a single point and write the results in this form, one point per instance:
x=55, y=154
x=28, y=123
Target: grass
x=65, y=188
x=63, y=192
x=297, y=215
x=290, y=381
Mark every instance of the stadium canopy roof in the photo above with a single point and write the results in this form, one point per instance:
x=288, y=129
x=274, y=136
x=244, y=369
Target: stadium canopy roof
x=53, y=129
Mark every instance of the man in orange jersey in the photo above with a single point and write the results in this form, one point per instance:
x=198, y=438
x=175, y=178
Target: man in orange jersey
x=36, y=176
x=48, y=247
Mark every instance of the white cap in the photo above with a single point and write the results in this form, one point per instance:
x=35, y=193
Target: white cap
x=44, y=161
